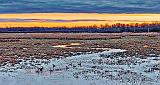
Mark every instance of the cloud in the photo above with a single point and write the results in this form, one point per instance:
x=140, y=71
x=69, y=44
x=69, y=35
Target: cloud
x=100, y=6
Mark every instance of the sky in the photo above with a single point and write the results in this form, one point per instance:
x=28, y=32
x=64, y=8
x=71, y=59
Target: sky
x=72, y=19
x=79, y=6
x=70, y=13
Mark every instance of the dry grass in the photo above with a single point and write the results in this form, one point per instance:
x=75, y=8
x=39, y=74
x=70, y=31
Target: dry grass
x=23, y=46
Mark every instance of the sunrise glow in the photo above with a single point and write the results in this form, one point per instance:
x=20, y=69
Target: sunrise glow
x=76, y=19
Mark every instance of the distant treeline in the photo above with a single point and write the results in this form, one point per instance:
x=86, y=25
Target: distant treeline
x=115, y=28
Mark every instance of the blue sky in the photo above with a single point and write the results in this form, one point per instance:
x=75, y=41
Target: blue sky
x=62, y=6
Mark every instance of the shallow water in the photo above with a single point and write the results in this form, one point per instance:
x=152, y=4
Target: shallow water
x=103, y=68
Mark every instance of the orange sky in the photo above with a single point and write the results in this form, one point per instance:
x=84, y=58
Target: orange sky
x=110, y=19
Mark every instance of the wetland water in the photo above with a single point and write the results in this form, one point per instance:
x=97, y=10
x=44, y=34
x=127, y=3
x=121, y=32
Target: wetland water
x=104, y=68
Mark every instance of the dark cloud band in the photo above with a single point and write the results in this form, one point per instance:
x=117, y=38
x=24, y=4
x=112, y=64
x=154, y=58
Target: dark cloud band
x=99, y=6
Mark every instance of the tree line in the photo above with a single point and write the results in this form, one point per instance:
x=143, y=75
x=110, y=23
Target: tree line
x=106, y=28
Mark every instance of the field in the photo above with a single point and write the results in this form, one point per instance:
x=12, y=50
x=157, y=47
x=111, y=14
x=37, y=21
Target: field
x=80, y=58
